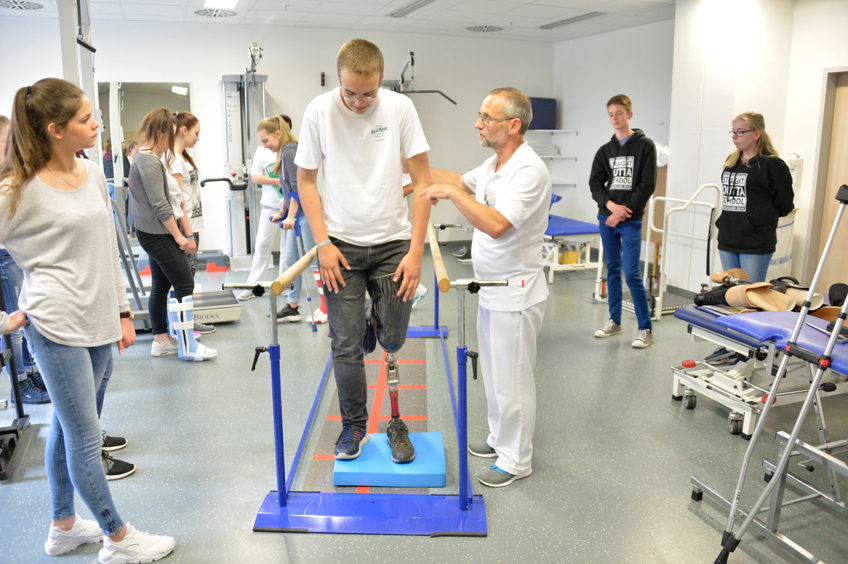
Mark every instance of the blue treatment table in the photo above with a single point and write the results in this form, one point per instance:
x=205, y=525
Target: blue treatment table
x=741, y=387
x=560, y=231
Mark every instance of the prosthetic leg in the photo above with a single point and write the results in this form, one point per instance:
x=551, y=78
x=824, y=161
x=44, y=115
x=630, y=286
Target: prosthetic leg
x=182, y=323
x=390, y=321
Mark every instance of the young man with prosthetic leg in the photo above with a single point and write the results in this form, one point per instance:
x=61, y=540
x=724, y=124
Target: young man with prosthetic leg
x=365, y=241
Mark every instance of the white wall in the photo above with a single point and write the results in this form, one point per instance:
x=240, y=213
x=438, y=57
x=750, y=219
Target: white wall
x=465, y=69
x=588, y=72
x=729, y=56
x=819, y=42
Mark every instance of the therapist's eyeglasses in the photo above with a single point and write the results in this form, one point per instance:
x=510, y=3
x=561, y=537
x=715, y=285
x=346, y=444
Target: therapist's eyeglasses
x=740, y=133
x=487, y=119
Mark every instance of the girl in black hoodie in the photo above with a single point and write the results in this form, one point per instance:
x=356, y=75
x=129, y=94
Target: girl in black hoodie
x=756, y=191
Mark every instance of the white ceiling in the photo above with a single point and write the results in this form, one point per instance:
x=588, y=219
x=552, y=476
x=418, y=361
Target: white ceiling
x=520, y=19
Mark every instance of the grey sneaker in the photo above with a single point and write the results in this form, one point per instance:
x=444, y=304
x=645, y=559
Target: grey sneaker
x=494, y=477
x=643, y=339
x=203, y=329
x=609, y=329
x=460, y=252
x=483, y=450
x=246, y=295
x=466, y=257
x=112, y=443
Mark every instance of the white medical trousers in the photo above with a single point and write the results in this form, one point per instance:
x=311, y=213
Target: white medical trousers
x=507, y=343
x=265, y=233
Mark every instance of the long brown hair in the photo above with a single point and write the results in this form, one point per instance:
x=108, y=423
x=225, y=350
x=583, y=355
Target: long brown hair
x=157, y=123
x=765, y=148
x=281, y=123
x=187, y=120
x=29, y=148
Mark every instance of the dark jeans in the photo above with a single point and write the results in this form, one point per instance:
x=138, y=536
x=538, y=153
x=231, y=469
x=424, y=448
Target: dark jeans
x=13, y=279
x=168, y=267
x=622, y=246
x=346, y=313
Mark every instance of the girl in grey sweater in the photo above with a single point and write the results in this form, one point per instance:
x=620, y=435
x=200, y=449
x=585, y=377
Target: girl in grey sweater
x=56, y=222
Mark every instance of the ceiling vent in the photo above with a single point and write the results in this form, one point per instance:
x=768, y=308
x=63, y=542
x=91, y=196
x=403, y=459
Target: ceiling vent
x=215, y=13
x=20, y=5
x=484, y=28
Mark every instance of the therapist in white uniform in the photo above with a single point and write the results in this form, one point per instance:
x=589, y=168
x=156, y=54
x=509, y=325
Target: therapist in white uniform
x=506, y=199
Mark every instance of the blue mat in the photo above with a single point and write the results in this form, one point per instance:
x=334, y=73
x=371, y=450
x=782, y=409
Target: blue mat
x=374, y=467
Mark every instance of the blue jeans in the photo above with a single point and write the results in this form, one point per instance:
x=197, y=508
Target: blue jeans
x=74, y=376
x=755, y=265
x=293, y=254
x=622, y=246
x=346, y=313
x=13, y=278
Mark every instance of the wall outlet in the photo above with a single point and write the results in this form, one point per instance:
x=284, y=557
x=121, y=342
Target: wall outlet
x=469, y=230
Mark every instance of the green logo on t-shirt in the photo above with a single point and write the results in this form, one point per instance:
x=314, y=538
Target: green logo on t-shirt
x=379, y=131
x=269, y=169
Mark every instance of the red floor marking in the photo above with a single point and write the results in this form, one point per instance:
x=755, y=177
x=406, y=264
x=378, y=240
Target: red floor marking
x=334, y=418
x=405, y=387
x=323, y=457
x=399, y=361
x=362, y=489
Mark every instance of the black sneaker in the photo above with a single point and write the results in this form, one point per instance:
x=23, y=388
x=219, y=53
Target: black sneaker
x=466, y=257
x=31, y=394
x=351, y=438
x=402, y=449
x=37, y=380
x=289, y=313
x=460, y=252
x=115, y=469
x=113, y=443
x=722, y=356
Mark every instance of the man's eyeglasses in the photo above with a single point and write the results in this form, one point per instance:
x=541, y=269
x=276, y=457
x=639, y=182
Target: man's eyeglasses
x=487, y=119
x=366, y=98
x=740, y=133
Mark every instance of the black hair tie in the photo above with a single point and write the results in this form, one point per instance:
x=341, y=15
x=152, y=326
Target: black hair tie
x=29, y=91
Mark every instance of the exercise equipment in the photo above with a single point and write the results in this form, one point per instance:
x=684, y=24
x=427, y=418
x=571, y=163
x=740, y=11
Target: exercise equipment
x=435, y=330
x=406, y=86
x=212, y=306
x=560, y=230
x=10, y=435
x=824, y=353
x=244, y=108
x=284, y=510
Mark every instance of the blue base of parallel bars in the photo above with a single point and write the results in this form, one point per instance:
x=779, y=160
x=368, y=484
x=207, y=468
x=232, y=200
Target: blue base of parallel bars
x=372, y=514
x=426, y=331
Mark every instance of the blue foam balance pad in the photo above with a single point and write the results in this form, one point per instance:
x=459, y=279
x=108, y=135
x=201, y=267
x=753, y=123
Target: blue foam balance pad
x=374, y=466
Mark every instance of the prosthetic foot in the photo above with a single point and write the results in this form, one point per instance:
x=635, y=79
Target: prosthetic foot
x=389, y=318
x=402, y=449
x=182, y=323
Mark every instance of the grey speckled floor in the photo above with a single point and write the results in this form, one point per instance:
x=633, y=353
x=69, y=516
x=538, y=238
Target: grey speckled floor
x=610, y=483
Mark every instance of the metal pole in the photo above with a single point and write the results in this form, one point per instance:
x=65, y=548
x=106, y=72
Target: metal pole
x=462, y=391
x=276, y=392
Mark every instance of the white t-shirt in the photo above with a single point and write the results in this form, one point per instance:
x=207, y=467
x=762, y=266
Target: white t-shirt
x=521, y=192
x=175, y=195
x=264, y=162
x=360, y=155
x=191, y=191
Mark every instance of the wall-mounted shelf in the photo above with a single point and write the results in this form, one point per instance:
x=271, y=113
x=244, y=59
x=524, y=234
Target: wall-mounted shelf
x=573, y=131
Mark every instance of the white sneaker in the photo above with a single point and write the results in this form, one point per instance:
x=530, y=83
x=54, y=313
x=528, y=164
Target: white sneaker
x=420, y=292
x=84, y=531
x=246, y=295
x=136, y=547
x=167, y=347
x=320, y=317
